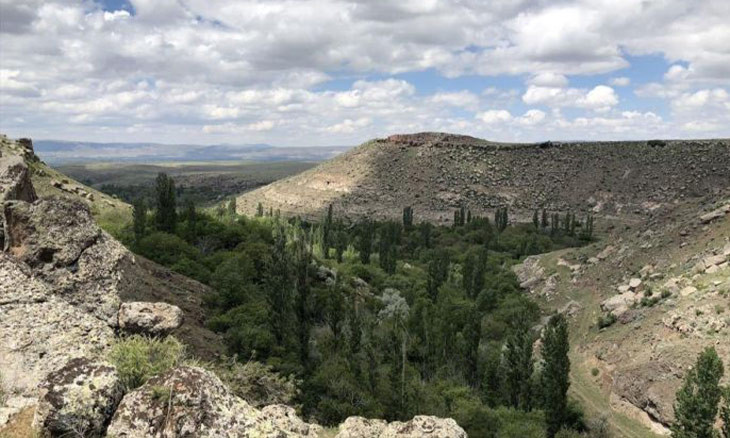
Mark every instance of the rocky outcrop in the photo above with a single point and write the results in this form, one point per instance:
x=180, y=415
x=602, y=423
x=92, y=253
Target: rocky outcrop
x=62, y=244
x=39, y=332
x=149, y=318
x=419, y=427
x=15, y=180
x=78, y=399
x=190, y=401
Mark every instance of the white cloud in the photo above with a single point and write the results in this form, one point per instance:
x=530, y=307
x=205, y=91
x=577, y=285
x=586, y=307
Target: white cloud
x=621, y=81
x=491, y=117
x=600, y=98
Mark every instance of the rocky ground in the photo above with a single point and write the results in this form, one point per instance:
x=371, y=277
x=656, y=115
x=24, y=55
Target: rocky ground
x=68, y=290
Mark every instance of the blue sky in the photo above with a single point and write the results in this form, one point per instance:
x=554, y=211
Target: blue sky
x=338, y=72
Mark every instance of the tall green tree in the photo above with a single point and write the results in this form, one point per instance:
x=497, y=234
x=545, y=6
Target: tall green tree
x=408, y=218
x=535, y=220
x=555, y=379
x=139, y=218
x=364, y=242
x=725, y=413
x=280, y=290
x=166, y=214
x=518, y=365
x=232, y=206
x=697, y=400
x=544, y=219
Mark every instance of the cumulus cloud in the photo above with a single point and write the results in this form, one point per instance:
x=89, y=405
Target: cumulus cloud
x=327, y=71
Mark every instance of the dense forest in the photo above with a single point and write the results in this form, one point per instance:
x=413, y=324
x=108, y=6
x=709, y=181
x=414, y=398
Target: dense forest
x=384, y=319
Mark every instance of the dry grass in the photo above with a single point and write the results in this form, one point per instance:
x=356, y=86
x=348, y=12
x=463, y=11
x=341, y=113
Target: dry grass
x=20, y=426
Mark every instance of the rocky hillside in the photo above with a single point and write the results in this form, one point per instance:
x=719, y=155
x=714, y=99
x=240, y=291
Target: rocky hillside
x=436, y=173
x=69, y=291
x=643, y=300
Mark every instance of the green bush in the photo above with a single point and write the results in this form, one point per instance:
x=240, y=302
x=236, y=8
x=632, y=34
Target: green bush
x=606, y=320
x=258, y=383
x=594, y=372
x=138, y=358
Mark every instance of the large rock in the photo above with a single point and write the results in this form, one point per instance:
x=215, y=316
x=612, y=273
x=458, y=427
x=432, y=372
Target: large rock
x=39, y=332
x=78, y=399
x=618, y=304
x=149, y=318
x=15, y=181
x=190, y=401
x=419, y=427
x=60, y=241
x=650, y=387
x=359, y=427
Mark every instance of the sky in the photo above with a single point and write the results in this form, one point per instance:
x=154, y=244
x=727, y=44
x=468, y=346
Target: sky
x=340, y=72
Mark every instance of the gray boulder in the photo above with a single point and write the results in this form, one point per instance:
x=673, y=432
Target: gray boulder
x=419, y=427
x=15, y=181
x=78, y=399
x=193, y=402
x=149, y=318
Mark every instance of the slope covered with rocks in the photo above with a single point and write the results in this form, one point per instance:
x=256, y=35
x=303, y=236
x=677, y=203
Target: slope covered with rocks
x=436, y=173
x=69, y=291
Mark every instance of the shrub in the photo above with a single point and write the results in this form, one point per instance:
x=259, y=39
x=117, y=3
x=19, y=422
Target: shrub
x=666, y=293
x=719, y=309
x=138, y=358
x=606, y=320
x=594, y=372
x=2, y=391
x=258, y=383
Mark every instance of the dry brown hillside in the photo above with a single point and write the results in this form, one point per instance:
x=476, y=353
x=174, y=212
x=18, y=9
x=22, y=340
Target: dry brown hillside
x=435, y=173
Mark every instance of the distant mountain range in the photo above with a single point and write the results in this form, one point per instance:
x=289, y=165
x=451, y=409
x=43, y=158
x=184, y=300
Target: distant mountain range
x=58, y=152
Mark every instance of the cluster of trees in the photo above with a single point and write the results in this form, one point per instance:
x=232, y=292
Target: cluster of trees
x=381, y=319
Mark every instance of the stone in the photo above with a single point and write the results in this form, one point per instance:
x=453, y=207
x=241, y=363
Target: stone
x=712, y=269
x=688, y=290
x=715, y=214
x=190, y=401
x=60, y=241
x=623, y=288
x=78, y=399
x=618, y=304
x=359, y=427
x=15, y=183
x=39, y=332
x=714, y=260
x=154, y=319
x=419, y=427
x=424, y=426
x=635, y=283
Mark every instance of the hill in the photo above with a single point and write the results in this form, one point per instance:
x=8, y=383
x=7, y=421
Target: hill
x=436, y=173
x=643, y=300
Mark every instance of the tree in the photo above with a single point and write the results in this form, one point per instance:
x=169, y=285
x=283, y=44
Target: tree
x=425, y=229
x=535, y=220
x=697, y=400
x=139, y=218
x=232, y=206
x=518, y=366
x=501, y=218
x=280, y=285
x=725, y=413
x=365, y=242
x=260, y=210
x=555, y=380
x=408, y=218
x=327, y=233
x=587, y=232
x=166, y=216
x=191, y=221
x=544, y=220
x=438, y=273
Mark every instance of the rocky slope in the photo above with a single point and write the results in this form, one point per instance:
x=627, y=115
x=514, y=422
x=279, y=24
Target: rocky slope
x=436, y=173
x=68, y=290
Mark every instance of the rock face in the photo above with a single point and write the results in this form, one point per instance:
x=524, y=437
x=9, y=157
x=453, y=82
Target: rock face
x=15, y=180
x=149, y=318
x=78, y=399
x=62, y=244
x=420, y=426
x=39, y=332
x=189, y=401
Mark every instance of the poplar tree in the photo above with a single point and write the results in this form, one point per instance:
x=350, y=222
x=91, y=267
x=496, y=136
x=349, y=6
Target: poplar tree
x=139, y=218
x=697, y=400
x=518, y=365
x=555, y=380
x=535, y=220
x=408, y=218
x=166, y=215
